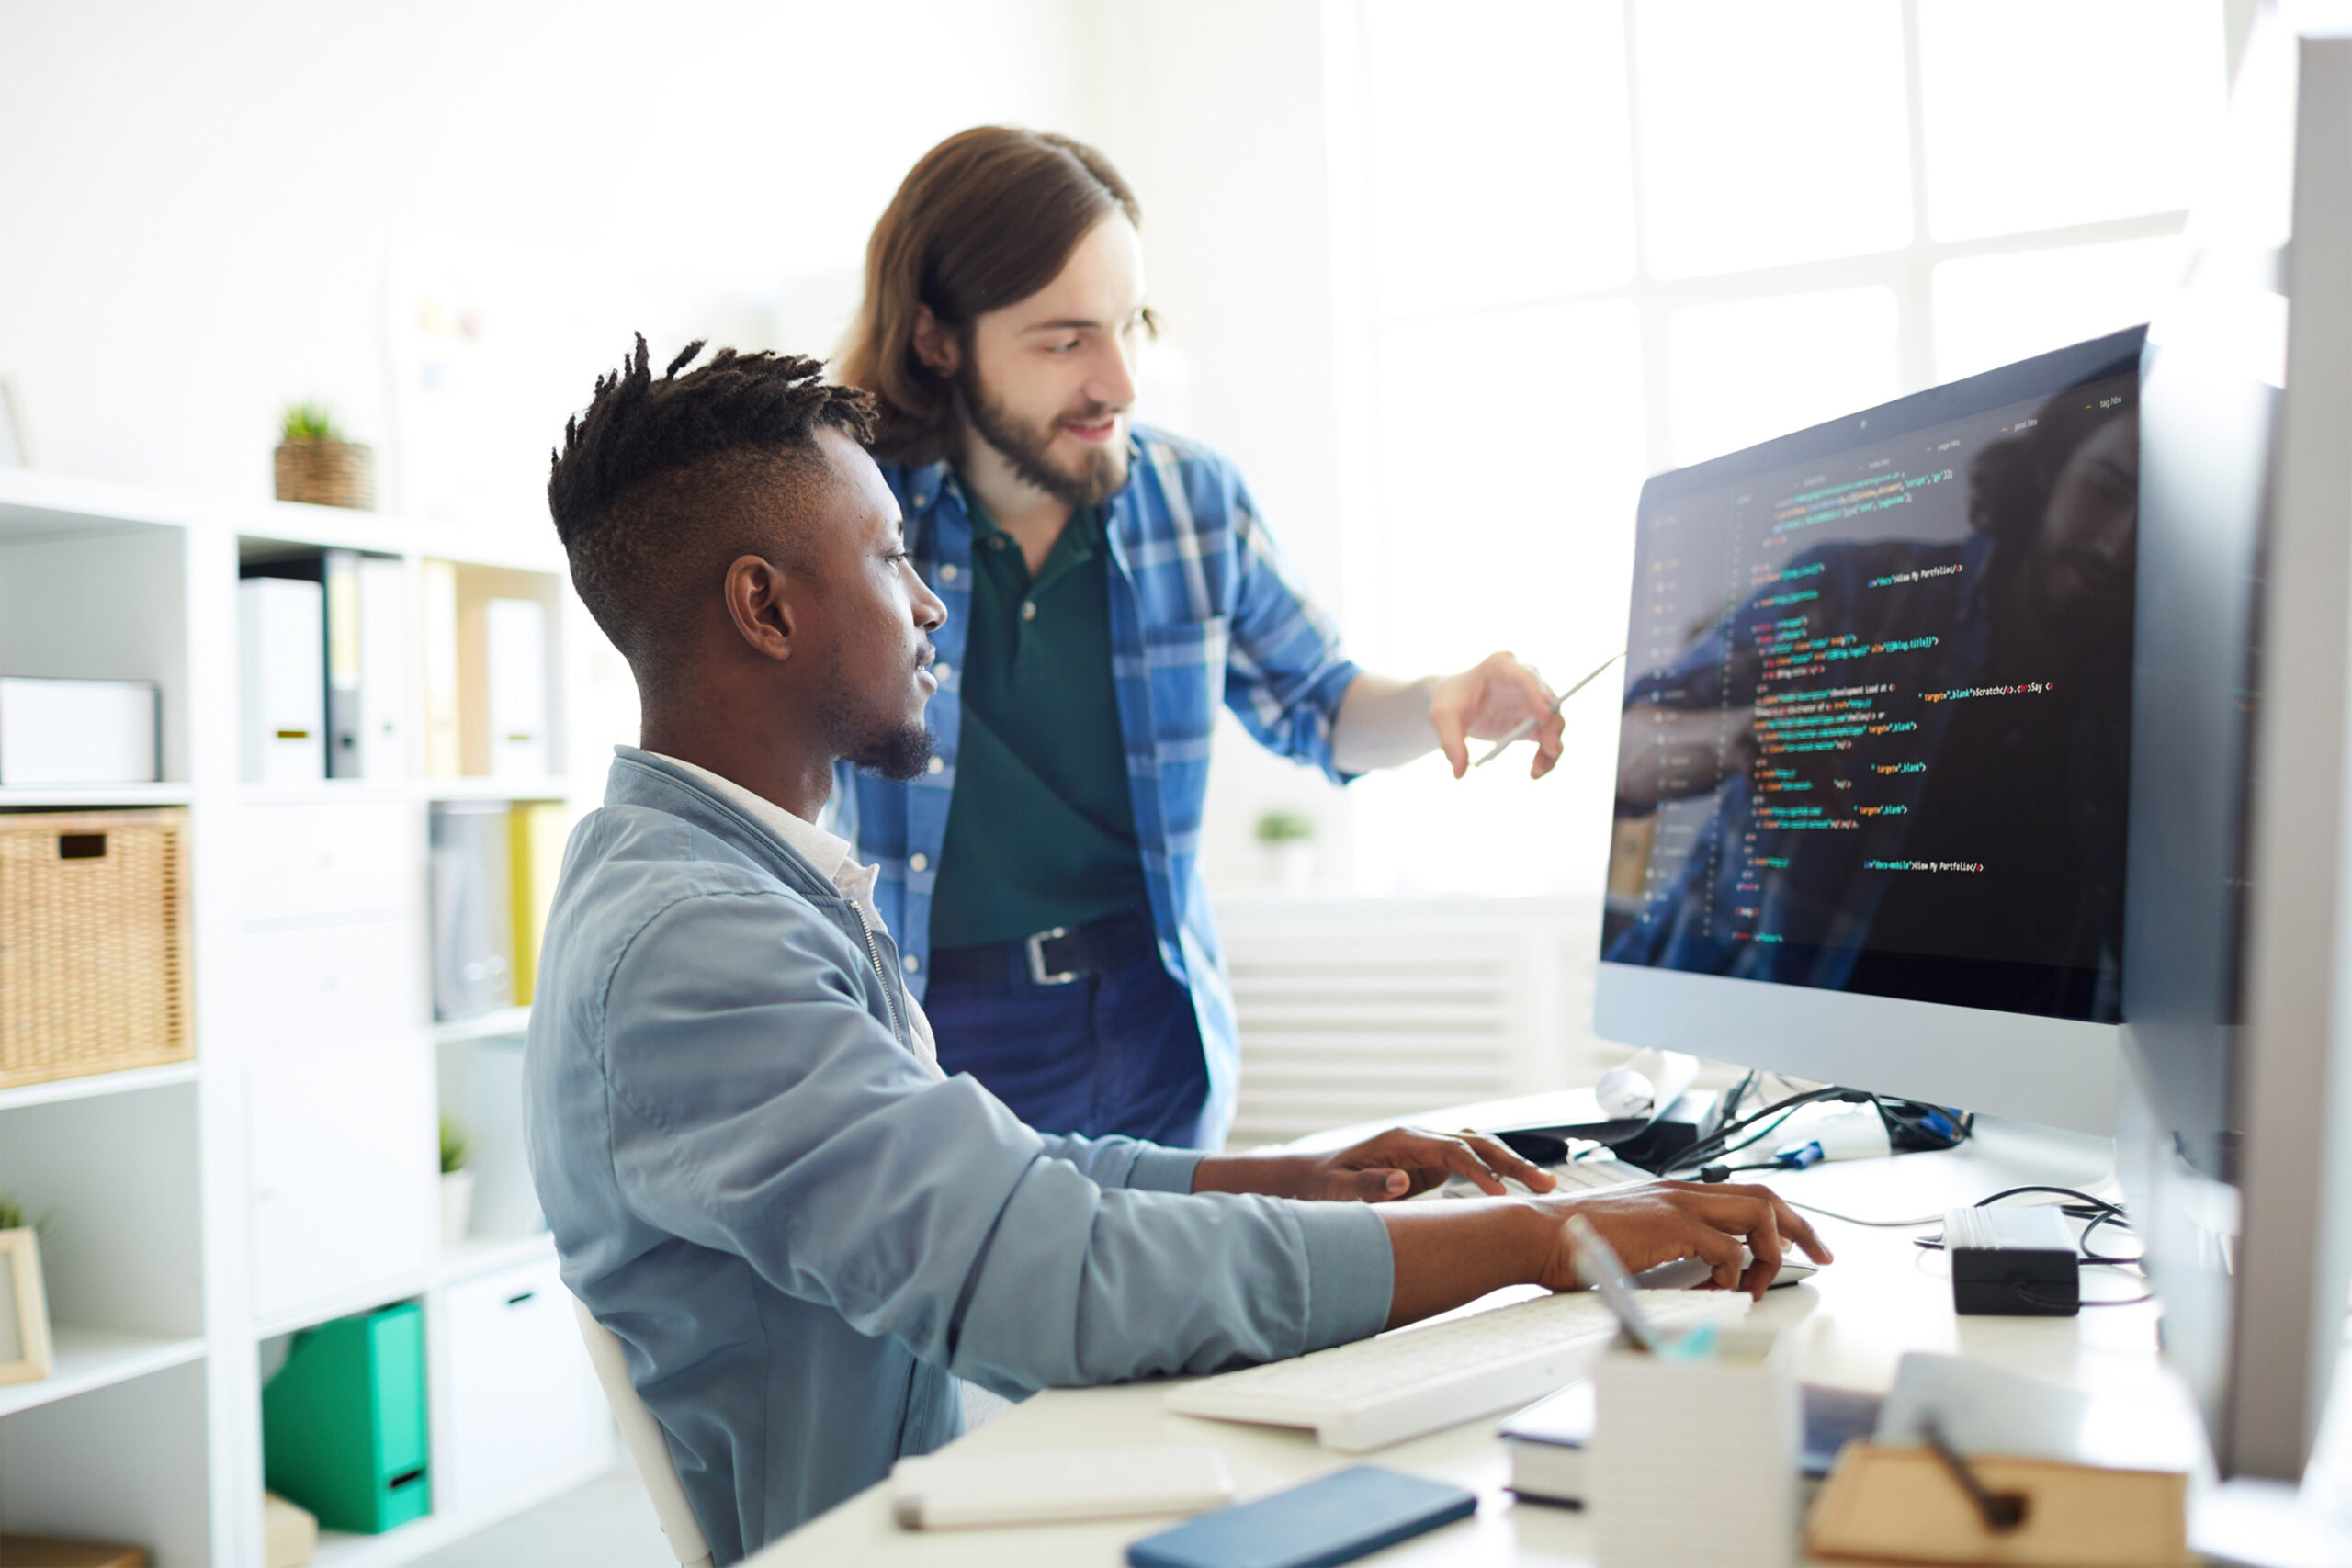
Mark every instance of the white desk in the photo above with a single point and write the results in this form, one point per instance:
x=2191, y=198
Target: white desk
x=1883, y=1297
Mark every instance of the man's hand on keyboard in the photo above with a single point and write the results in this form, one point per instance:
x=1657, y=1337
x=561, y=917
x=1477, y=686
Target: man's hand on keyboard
x=1665, y=1221
x=1395, y=1164
x=1446, y=1254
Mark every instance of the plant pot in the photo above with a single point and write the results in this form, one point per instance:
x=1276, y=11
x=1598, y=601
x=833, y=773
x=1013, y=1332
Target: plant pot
x=457, y=1206
x=327, y=473
x=1290, y=865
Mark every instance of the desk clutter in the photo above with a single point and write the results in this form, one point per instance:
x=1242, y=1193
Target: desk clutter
x=1905, y=1479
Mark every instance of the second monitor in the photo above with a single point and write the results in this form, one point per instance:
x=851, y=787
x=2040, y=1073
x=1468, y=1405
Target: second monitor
x=1871, y=779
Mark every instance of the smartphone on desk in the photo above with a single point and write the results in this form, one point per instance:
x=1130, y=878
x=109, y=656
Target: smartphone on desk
x=1334, y=1519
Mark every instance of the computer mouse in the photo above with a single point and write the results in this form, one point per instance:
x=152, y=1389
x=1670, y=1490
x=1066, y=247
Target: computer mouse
x=1690, y=1274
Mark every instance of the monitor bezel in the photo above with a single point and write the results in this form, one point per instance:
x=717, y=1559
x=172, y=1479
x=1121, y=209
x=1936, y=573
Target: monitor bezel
x=2057, y=1072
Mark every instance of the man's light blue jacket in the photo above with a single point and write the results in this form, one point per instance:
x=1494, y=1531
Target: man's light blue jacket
x=799, y=1234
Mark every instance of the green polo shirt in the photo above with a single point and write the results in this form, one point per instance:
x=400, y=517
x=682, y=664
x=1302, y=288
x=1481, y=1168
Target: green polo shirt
x=1041, y=831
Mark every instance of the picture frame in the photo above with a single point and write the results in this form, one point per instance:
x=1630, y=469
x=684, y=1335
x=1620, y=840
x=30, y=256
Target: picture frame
x=25, y=1350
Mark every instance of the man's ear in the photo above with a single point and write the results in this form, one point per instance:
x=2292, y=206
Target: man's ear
x=941, y=354
x=757, y=605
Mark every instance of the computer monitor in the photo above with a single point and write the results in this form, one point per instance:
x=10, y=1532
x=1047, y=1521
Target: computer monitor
x=1872, y=775
x=2234, y=1136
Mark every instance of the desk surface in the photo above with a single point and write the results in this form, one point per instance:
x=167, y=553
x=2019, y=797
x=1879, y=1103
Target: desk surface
x=1883, y=1298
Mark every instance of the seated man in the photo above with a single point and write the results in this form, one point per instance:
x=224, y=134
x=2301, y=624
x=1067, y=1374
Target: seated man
x=756, y=1174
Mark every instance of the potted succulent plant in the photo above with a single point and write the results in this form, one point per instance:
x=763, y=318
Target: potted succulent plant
x=316, y=465
x=456, y=1182
x=1288, y=836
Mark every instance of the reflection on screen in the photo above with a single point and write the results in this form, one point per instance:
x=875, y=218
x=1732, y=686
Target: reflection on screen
x=1877, y=725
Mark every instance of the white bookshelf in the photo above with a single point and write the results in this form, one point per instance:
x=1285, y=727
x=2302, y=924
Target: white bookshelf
x=174, y=1190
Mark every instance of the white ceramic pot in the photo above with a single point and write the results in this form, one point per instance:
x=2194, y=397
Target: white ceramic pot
x=1291, y=864
x=456, y=1205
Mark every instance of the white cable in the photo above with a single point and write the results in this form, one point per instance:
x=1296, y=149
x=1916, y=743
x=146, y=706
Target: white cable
x=1877, y=1224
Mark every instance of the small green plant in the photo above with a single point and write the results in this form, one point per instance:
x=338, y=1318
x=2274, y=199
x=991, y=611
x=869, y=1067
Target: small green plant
x=311, y=422
x=457, y=1145
x=13, y=1217
x=1284, y=825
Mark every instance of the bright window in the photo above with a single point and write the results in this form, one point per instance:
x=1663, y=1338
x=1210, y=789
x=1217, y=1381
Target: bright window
x=1456, y=224
x=1746, y=370
x=2043, y=114
x=1606, y=237
x=1772, y=131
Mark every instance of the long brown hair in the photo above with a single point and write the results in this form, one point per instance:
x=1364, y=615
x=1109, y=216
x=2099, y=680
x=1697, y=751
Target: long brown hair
x=986, y=218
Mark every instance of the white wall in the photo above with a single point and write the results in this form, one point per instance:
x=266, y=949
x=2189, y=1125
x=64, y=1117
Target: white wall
x=196, y=202
x=1217, y=113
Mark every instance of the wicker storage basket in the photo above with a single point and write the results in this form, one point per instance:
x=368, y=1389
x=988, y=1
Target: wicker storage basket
x=327, y=473
x=93, y=944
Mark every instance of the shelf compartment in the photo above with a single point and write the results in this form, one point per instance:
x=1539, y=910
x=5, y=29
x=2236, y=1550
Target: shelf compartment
x=474, y=788
x=125, y=1461
x=36, y=505
x=504, y=1023
x=98, y=604
x=130, y=1081
x=408, y=1541
x=87, y=1358
x=99, y=797
x=122, y=1247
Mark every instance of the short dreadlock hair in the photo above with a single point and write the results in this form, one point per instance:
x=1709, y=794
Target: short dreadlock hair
x=661, y=483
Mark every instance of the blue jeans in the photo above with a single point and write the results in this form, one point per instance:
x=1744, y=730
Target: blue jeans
x=1113, y=1051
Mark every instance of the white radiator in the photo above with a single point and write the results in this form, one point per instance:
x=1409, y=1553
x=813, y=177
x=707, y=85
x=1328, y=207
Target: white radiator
x=1359, y=1009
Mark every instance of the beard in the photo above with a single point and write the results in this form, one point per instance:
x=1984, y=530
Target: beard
x=897, y=752
x=1025, y=446
x=896, y=747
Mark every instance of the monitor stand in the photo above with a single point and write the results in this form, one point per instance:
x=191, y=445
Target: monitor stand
x=2266, y=1524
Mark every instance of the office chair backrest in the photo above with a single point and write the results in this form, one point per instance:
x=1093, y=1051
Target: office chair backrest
x=647, y=1445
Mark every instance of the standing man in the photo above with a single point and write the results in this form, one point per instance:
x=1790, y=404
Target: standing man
x=1106, y=586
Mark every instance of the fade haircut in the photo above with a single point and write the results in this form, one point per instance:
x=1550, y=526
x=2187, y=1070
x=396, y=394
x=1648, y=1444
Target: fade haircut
x=661, y=484
x=983, y=220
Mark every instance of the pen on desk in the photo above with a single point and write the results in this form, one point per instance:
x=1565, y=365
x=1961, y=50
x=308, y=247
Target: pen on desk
x=1526, y=727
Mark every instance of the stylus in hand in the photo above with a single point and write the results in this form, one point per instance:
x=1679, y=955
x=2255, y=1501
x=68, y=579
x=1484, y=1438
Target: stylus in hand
x=1526, y=727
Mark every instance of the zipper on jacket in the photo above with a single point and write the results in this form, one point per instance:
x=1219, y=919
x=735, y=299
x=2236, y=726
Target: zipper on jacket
x=874, y=951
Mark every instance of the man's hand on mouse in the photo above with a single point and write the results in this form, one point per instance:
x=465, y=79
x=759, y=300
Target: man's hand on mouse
x=1661, y=1221
x=1381, y=1169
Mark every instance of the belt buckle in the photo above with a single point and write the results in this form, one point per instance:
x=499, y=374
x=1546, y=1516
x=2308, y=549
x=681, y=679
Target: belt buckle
x=1035, y=946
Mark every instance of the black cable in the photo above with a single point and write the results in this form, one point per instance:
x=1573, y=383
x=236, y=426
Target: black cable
x=2118, y=1262
x=1708, y=1147
x=2100, y=1203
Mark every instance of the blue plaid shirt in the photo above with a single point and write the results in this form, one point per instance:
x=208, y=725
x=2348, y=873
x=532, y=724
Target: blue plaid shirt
x=1204, y=608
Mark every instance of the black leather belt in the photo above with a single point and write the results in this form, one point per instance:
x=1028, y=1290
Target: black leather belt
x=1058, y=957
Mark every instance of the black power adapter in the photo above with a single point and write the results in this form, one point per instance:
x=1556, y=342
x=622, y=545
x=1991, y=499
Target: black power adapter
x=2013, y=1262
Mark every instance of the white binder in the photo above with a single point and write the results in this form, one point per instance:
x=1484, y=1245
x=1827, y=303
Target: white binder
x=281, y=645
x=515, y=652
x=384, y=645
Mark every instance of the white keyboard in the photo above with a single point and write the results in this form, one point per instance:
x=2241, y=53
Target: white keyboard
x=1417, y=1380
x=1585, y=1175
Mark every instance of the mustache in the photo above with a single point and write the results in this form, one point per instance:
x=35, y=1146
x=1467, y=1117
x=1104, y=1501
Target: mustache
x=1090, y=413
